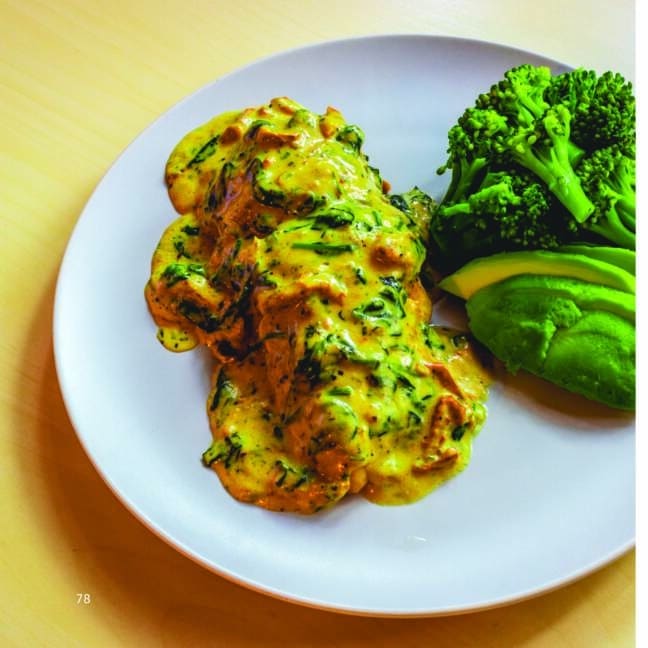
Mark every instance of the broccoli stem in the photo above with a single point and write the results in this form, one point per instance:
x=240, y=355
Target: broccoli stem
x=551, y=162
x=454, y=209
x=614, y=229
x=616, y=217
x=576, y=153
x=490, y=195
x=463, y=177
x=621, y=237
x=627, y=213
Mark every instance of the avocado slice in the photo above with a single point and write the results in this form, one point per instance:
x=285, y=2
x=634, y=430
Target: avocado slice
x=595, y=358
x=620, y=257
x=482, y=272
x=585, y=295
x=577, y=335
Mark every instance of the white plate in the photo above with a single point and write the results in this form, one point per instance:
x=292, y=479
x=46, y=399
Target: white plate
x=549, y=495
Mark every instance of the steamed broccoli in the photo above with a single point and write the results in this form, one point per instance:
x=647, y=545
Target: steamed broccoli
x=470, y=144
x=608, y=177
x=509, y=210
x=547, y=151
x=603, y=107
x=514, y=123
x=519, y=96
x=529, y=168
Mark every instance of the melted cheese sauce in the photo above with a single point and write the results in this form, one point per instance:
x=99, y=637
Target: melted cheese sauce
x=291, y=264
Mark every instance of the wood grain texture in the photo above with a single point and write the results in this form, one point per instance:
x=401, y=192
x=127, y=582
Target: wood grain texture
x=79, y=79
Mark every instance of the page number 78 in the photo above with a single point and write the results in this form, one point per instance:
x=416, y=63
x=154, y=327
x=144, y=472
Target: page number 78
x=83, y=598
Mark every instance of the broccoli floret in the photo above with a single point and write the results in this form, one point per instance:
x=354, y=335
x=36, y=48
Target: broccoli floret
x=539, y=161
x=523, y=96
x=484, y=137
x=514, y=123
x=603, y=108
x=471, y=149
x=547, y=151
x=537, y=134
x=519, y=96
x=608, y=177
x=510, y=210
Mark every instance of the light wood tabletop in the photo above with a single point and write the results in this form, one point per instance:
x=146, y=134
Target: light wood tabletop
x=79, y=79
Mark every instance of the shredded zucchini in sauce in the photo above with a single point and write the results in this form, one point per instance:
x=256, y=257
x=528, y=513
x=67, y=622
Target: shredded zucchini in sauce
x=294, y=266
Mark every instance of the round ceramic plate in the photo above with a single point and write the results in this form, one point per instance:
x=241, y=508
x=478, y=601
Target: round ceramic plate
x=549, y=495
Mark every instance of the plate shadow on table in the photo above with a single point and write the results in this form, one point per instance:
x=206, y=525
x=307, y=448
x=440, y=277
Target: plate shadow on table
x=141, y=583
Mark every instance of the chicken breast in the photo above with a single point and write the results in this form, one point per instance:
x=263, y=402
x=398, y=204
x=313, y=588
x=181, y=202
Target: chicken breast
x=294, y=266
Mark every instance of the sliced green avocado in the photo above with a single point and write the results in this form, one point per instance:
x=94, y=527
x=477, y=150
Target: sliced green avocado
x=620, y=257
x=595, y=358
x=482, y=272
x=574, y=334
x=586, y=295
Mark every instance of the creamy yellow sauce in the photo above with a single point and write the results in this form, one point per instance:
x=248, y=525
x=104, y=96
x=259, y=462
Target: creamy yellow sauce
x=294, y=266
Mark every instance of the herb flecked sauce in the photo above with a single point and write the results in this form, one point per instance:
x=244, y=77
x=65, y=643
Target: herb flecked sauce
x=294, y=266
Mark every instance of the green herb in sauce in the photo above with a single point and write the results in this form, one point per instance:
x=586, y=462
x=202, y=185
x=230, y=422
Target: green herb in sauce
x=292, y=264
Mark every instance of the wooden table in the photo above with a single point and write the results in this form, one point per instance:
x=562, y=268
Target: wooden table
x=78, y=81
